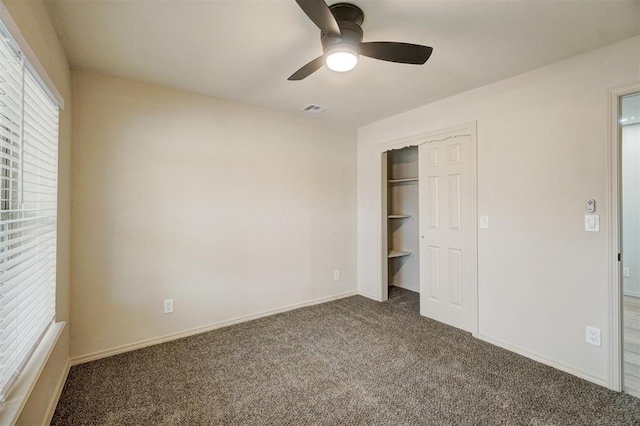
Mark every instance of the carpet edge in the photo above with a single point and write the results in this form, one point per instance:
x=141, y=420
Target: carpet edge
x=202, y=329
x=543, y=360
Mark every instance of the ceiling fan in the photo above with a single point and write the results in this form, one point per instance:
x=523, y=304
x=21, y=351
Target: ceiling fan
x=341, y=38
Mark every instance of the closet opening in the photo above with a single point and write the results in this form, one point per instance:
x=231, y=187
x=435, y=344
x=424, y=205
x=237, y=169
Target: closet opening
x=429, y=237
x=402, y=219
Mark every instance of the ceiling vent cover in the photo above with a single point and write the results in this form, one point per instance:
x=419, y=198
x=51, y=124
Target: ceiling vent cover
x=313, y=109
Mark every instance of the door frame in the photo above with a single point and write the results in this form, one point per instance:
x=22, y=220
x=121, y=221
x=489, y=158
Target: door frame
x=614, y=228
x=464, y=129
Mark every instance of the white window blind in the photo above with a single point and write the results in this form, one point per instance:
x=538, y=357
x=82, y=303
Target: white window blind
x=28, y=188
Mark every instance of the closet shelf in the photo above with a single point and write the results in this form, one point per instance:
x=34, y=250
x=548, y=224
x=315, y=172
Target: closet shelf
x=415, y=179
x=399, y=216
x=398, y=253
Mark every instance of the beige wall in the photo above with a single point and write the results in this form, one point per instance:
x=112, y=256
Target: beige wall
x=34, y=23
x=542, y=153
x=228, y=209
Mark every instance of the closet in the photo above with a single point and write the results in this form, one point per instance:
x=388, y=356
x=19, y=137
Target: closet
x=429, y=229
x=401, y=209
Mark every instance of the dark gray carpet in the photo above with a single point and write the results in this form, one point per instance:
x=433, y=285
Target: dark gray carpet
x=352, y=361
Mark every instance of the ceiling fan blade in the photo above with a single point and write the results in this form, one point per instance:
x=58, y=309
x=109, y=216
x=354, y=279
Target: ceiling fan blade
x=405, y=53
x=308, y=69
x=319, y=13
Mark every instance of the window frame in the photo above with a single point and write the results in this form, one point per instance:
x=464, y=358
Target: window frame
x=34, y=305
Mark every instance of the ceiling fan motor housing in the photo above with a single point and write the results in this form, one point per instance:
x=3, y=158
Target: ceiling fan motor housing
x=350, y=19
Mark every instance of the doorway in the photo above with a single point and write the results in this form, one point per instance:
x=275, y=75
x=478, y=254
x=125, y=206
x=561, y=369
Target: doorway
x=403, y=218
x=629, y=134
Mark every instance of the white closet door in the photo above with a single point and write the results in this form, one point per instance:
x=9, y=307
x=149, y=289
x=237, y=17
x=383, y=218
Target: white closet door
x=447, y=231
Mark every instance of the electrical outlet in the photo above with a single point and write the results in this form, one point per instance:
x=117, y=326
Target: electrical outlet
x=626, y=273
x=168, y=306
x=592, y=335
x=336, y=275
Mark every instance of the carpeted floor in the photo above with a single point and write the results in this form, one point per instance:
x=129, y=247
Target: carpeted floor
x=352, y=361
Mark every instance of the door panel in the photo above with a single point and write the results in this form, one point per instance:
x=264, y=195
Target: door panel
x=447, y=227
x=433, y=276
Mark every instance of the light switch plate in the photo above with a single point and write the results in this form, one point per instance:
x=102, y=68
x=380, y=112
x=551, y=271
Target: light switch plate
x=484, y=222
x=592, y=223
x=626, y=273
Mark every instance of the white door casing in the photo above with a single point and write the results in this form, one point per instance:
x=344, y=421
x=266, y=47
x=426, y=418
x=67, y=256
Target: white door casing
x=448, y=250
x=614, y=228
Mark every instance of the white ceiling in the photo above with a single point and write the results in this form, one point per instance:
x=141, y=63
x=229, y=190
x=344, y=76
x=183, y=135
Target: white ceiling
x=244, y=50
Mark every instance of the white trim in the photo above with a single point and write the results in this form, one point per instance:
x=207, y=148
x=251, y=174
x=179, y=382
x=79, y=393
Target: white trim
x=370, y=296
x=383, y=233
x=7, y=20
x=464, y=129
x=51, y=409
x=26, y=382
x=203, y=329
x=602, y=381
x=406, y=287
x=613, y=199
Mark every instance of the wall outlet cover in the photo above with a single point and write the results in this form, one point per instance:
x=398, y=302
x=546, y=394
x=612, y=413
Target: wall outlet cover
x=168, y=306
x=336, y=275
x=592, y=336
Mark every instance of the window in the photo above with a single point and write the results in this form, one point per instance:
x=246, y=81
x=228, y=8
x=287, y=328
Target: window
x=28, y=202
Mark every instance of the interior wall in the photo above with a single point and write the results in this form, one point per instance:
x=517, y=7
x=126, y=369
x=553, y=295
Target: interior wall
x=229, y=210
x=631, y=208
x=542, y=153
x=36, y=27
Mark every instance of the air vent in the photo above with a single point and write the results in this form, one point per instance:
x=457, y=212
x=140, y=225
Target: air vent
x=313, y=109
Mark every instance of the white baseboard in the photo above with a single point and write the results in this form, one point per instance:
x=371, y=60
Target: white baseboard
x=369, y=295
x=203, y=329
x=407, y=287
x=51, y=409
x=567, y=369
x=631, y=293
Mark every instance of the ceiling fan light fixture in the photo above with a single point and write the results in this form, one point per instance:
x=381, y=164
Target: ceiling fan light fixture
x=341, y=36
x=341, y=57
